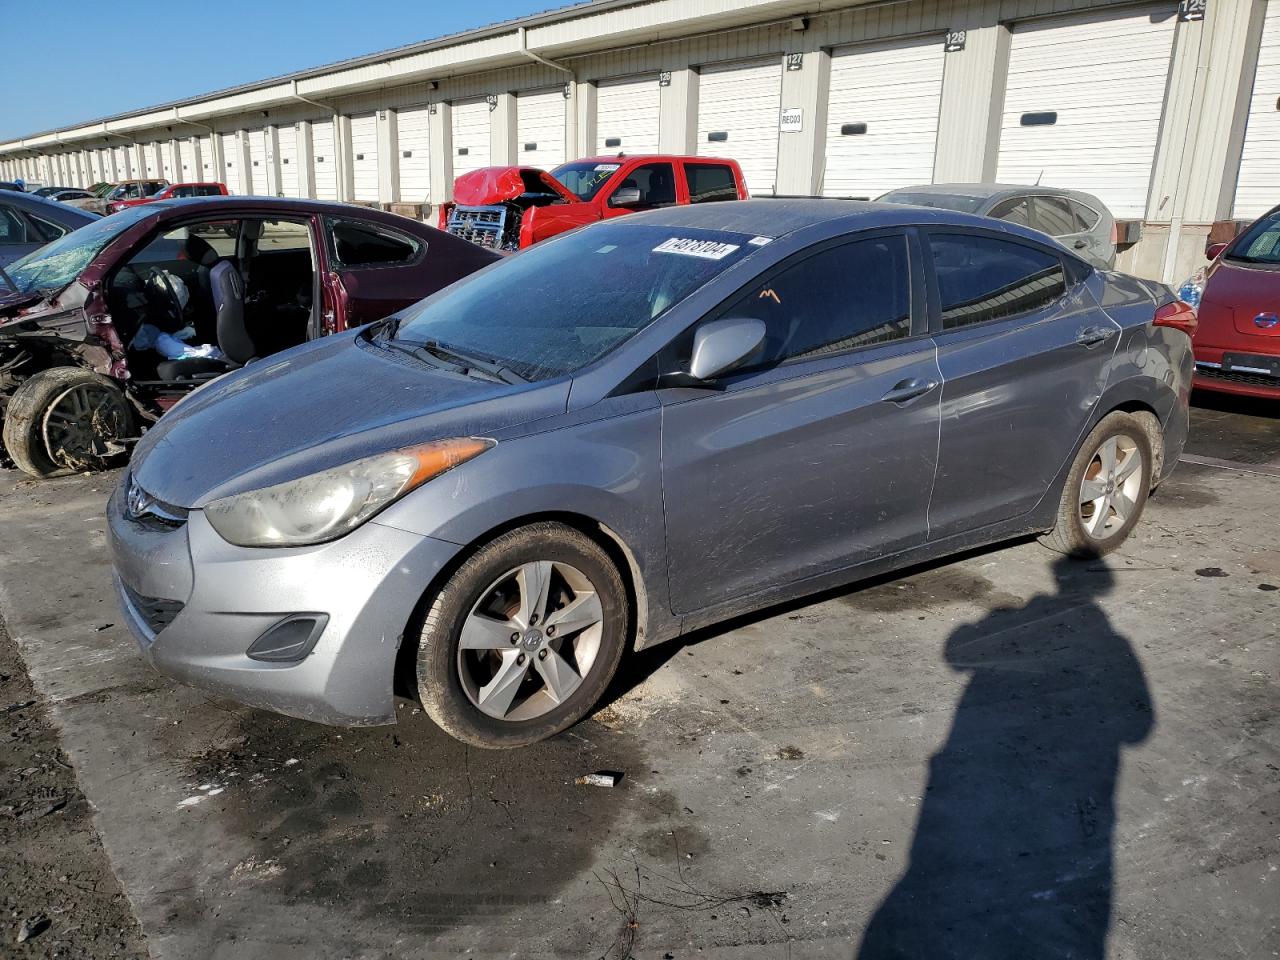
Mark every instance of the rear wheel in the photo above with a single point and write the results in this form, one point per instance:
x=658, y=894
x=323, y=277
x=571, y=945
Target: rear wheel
x=524, y=638
x=64, y=419
x=1106, y=489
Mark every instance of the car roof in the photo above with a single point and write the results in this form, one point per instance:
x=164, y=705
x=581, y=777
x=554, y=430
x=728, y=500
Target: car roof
x=53, y=209
x=230, y=205
x=779, y=217
x=628, y=157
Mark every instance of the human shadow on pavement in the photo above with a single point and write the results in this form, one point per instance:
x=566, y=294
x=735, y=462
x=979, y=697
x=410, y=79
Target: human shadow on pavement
x=1012, y=854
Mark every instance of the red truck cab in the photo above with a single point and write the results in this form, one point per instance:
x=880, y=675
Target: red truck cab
x=171, y=191
x=509, y=208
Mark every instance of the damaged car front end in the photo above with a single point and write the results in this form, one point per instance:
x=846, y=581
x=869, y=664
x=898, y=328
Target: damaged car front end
x=499, y=208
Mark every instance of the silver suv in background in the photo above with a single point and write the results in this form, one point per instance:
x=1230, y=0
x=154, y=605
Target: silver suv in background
x=627, y=432
x=1077, y=220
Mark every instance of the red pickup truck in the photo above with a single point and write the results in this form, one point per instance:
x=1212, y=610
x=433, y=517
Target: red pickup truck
x=171, y=191
x=509, y=208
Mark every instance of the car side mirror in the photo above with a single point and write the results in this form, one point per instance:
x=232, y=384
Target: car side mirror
x=724, y=345
x=625, y=197
x=1214, y=250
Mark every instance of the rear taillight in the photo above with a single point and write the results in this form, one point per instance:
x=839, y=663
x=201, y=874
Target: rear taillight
x=1179, y=315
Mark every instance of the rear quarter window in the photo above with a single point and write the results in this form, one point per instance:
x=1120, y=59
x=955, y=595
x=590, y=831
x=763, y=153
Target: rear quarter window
x=365, y=245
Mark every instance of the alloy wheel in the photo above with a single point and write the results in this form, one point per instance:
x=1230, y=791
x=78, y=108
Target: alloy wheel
x=529, y=640
x=1110, y=487
x=84, y=424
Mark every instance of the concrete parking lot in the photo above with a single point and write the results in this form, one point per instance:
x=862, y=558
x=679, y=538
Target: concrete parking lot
x=1006, y=755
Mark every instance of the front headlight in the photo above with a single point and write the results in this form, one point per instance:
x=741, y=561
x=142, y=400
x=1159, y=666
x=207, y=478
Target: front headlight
x=328, y=504
x=1191, y=289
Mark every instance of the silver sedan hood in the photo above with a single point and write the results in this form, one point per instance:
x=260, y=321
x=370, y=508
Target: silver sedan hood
x=317, y=406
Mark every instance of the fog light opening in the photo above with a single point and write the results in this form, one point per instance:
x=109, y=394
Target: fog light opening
x=289, y=640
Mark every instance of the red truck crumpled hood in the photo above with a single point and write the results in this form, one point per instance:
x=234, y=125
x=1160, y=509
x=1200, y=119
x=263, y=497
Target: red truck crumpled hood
x=495, y=184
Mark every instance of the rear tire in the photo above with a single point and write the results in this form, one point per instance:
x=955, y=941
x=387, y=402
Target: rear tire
x=1106, y=489
x=64, y=419
x=510, y=683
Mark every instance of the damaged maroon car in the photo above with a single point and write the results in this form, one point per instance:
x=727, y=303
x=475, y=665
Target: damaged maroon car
x=509, y=208
x=104, y=329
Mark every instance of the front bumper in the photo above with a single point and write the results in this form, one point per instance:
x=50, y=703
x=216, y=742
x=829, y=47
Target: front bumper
x=196, y=603
x=1210, y=374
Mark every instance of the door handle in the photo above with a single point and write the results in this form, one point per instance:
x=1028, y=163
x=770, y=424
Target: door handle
x=1092, y=336
x=905, y=390
x=1080, y=244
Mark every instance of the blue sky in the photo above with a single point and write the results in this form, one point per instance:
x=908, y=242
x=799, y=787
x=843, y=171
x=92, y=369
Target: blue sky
x=77, y=60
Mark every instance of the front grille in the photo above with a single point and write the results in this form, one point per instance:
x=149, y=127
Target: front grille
x=1233, y=376
x=483, y=226
x=155, y=612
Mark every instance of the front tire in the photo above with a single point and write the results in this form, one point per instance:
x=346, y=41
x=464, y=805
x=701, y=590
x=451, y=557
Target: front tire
x=524, y=638
x=1106, y=489
x=66, y=418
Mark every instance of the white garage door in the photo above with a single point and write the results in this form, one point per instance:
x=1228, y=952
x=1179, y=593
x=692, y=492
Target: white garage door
x=470, y=136
x=1083, y=104
x=190, y=170
x=325, y=159
x=124, y=165
x=258, y=184
x=169, y=159
x=882, y=117
x=364, y=154
x=287, y=137
x=738, y=107
x=207, y=170
x=627, y=113
x=1258, y=188
x=540, y=122
x=232, y=163
x=413, y=128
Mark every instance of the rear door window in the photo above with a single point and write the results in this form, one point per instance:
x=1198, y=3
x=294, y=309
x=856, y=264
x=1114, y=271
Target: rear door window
x=710, y=182
x=1053, y=216
x=848, y=296
x=12, y=227
x=981, y=278
x=1015, y=210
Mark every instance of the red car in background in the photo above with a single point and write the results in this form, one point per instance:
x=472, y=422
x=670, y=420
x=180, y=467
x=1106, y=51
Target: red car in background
x=174, y=191
x=1237, y=342
x=509, y=208
x=113, y=323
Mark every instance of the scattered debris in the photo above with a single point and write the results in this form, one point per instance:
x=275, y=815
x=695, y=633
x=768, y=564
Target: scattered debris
x=1212, y=572
x=601, y=778
x=1268, y=587
x=32, y=927
x=43, y=809
x=790, y=753
x=105, y=626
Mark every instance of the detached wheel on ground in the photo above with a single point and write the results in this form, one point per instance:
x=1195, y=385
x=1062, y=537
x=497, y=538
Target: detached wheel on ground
x=1105, y=490
x=66, y=418
x=524, y=638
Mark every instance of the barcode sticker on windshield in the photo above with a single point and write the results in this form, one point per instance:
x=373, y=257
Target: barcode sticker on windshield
x=704, y=249
x=759, y=241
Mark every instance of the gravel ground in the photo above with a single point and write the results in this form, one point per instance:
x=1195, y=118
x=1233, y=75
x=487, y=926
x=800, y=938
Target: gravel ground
x=58, y=895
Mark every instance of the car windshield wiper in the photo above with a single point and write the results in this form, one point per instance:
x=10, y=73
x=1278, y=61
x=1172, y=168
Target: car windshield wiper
x=9, y=280
x=386, y=330
x=470, y=363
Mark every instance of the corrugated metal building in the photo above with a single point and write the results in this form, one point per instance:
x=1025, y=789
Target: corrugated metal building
x=1169, y=110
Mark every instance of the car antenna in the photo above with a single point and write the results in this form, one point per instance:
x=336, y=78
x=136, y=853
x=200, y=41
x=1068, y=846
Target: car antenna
x=1039, y=177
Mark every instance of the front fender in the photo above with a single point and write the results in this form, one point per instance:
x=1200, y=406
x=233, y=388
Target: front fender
x=606, y=470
